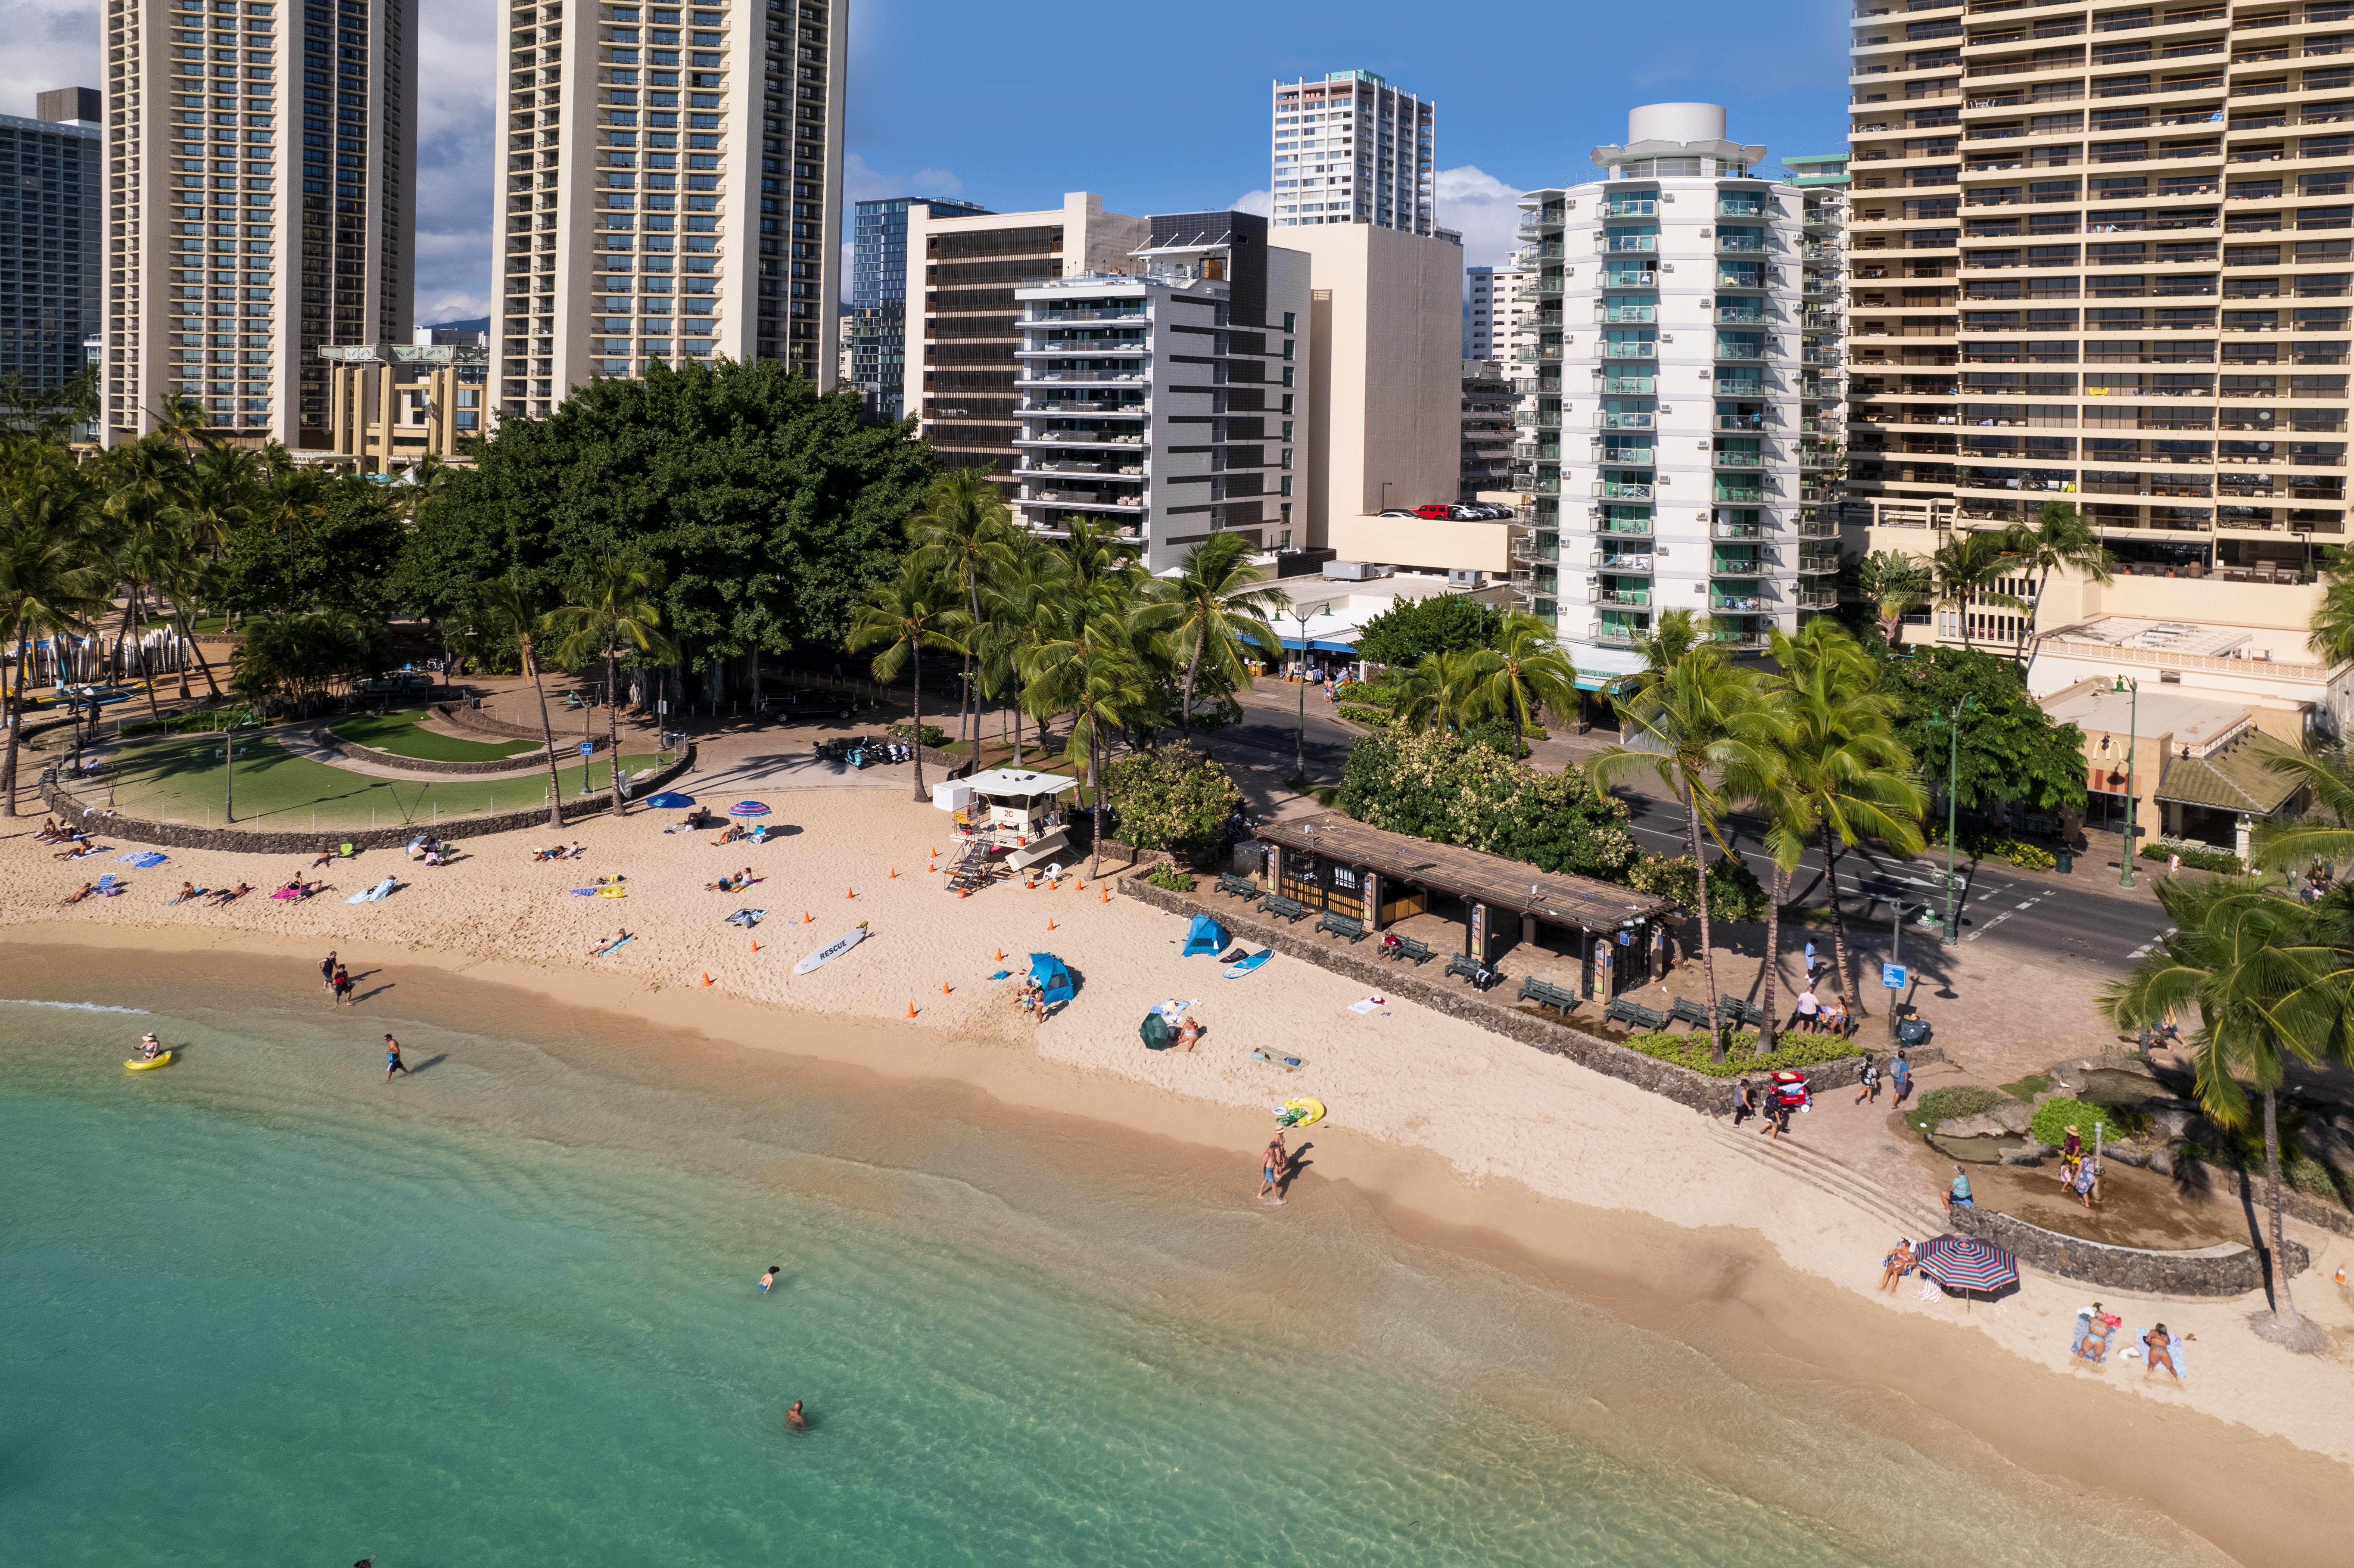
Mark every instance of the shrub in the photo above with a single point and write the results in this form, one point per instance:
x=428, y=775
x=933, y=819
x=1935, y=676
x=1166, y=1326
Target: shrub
x=2018, y=851
x=2054, y=1116
x=1459, y=789
x=2198, y=857
x=1169, y=877
x=1443, y=623
x=1734, y=893
x=1797, y=1051
x=1959, y=1100
x=934, y=736
x=1171, y=798
x=1372, y=718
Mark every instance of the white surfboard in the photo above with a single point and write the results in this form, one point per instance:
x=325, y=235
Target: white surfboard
x=832, y=949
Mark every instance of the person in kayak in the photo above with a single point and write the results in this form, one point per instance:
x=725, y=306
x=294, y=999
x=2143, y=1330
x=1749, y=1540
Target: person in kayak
x=150, y=1047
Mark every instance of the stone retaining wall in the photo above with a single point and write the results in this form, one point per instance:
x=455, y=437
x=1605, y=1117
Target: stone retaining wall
x=1455, y=997
x=2228, y=1270
x=178, y=835
x=326, y=735
x=459, y=716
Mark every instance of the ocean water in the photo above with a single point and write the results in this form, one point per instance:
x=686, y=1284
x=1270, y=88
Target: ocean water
x=263, y=1309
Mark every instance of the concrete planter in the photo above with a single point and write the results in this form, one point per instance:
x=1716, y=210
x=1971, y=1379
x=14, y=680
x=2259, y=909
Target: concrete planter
x=178, y=835
x=2231, y=1269
x=1710, y=1096
x=326, y=736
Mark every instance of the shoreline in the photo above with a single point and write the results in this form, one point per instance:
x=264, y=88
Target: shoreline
x=1699, y=1278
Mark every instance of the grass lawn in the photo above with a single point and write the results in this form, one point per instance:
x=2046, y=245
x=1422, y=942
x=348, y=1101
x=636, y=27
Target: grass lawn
x=402, y=735
x=178, y=780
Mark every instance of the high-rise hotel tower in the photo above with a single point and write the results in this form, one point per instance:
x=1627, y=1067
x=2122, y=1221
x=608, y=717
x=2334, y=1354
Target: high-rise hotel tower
x=669, y=189
x=261, y=170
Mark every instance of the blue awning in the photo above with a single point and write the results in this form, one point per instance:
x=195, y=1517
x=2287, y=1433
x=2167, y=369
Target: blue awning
x=1295, y=644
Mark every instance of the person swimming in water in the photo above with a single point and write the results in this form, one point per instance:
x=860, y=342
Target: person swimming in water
x=769, y=1278
x=794, y=1420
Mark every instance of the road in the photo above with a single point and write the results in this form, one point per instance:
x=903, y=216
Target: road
x=2041, y=919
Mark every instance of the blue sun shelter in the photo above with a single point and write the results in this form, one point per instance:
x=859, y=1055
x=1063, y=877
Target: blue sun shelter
x=1205, y=937
x=1048, y=971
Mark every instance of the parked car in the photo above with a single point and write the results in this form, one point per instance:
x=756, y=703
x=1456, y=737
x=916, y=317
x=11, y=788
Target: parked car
x=1400, y=512
x=1437, y=510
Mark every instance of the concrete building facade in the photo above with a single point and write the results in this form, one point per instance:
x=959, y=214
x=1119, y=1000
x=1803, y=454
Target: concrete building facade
x=1664, y=421
x=52, y=237
x=961, y=315
x=393, y=404
x=1162, y=399
x=261, y=195
x=670, y=183
x=1354, y=149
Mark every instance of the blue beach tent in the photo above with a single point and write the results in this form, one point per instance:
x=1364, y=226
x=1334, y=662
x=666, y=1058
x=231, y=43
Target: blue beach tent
x=1205, y=937
x=1048, y=971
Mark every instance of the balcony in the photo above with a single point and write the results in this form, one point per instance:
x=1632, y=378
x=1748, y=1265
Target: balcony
x=1104, y=378
x=1743, y=388
x=1610, y=419
x=1739, y=206
x=1630, y=206
x=1618, y=490
x=1623, y=527
x=1115, y=471
x=1739, y=315
x=1821, y=457
x=1819, y=563
x=1726, y=528
x=1744, y=566
x=1536, y=353
x=1738, y=604
x=1530, y=255
x=1813, y=528
x=1815, y=596
x=1739, y=494
x=1742, y=639
x=1620, y=243
x=1092, y=408
x=1537, y=451
x=1748, y=351
x=1078, y=500
x=1637, y=313
x=1528, y=547
x=1076, y=346
x=1740, y=277
x=1639, y=565
x=1047, y=315
x=1741, y=423
x=1547, y=287
x=1537, y=419
x=1740, y=244
x=1630, y=278
x=1641, y=348
x=1616, y=381
x=1620, y=598
x=1737, y=460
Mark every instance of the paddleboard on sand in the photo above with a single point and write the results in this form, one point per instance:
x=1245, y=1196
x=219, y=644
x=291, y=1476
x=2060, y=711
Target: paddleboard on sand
x=832, y=949
x=1236, y=971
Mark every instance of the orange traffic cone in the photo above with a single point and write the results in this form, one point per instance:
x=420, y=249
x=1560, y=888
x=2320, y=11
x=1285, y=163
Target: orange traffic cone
x=756, y=946
x=894, y=874
x=946, y=989
x=911, y=1010
x=1082, y=882
x=850, y=893
x=1107, y=893
x=1000, y=955
x=1050, y=925
x=808, y=919
x=707, y=976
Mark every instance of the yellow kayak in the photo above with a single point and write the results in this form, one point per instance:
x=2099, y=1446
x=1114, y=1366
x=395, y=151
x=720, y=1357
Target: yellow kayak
x=140, y=1064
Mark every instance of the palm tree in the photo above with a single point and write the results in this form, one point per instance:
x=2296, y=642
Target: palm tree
x=1017, y=603
x=616, y=607
x=2268, y=977
x=1964, y=570
x=2320, y=837
x=183, y=420
x=1894, y=584
x=2333, y=618
x=506, y=604
x=1845, y=777
x=2060, y=539
x=1089, y=665
x=1440, y=692
x=904, y=617
x=1221, y=608
x=1709, y=740
x=1529, y=675
x=53, y=582
x=963, y=535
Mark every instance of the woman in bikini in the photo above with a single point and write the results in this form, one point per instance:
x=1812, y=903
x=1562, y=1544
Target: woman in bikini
x=2158, y=1350
x=1897, y=1263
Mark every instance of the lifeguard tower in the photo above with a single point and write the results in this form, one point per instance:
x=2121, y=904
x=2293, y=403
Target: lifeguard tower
x=1008, y=820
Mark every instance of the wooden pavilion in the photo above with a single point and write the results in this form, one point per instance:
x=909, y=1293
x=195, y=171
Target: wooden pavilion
x=1334, y=862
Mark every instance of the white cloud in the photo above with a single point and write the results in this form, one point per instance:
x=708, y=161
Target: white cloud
x=861, y=183
x=51, y=43
x=1483, y=209
x=1260, y=201
x=457, y=132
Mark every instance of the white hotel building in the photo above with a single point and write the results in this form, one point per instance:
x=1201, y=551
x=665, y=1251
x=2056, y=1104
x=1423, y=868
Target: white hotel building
x=1354, y=149
x=1164, y=401
x=1661, y=411
x=671, y=186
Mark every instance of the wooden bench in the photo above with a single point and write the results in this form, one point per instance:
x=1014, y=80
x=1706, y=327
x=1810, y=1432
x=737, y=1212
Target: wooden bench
x=1634, y=1014
x=1480, y=976
x=1342, y=925
x=1742, y=1013
x=1290, y=909
x=1234, y=886
x=1395, y=946
x=1547, y=995
x=1693, y=1013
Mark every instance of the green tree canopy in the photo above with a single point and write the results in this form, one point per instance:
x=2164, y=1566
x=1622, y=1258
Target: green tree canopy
x=308, y=543
x=769, y=509
x=1457, y=789
x=1171, y=798
x=2010, y=750
x=1443, y=623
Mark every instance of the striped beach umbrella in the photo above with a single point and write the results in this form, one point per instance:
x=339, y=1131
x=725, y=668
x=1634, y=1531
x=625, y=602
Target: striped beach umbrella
x=1965, y=1263
x=747, y=808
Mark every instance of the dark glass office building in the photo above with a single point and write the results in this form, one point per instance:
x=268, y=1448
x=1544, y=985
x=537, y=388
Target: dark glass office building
x=51, y=209
x=877, y=325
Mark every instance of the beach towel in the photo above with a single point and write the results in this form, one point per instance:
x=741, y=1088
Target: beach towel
x=2076, y=1340
x=583, y=892
x=285, y=893
x=2135, y=1352
x=185, y=897
x=1003, y=974
x=372, y=894
x=1174, y=1011
x=615, y=948
x=747, y=918
x=1370, y=1004
x=145, y=860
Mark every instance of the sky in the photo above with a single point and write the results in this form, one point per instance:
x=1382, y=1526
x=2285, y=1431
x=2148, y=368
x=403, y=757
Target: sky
x=1158, y=108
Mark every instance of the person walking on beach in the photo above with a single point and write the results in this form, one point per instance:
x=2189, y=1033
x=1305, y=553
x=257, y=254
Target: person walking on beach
x=339, y=987
x=392, y=1061
x=327, y=975
x=1867, y=1082
x=769, y=1280
x=1810, y=963
x=1273, y=1166
x=1741, y=1103
x=1900, y=1078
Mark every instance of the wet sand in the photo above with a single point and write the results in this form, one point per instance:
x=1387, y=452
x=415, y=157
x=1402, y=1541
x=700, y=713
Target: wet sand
x=1722, y=1290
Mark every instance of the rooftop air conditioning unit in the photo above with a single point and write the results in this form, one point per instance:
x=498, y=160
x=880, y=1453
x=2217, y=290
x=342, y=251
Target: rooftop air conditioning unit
x=1353, y=571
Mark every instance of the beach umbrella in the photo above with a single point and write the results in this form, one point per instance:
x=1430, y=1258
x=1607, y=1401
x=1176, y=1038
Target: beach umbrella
x=1967, y=1264
x=1053, y=976
x=747, y=808
x=669, y=799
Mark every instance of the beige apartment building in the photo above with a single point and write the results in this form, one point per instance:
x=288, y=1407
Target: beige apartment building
x=392, y=404
x=2104, y=254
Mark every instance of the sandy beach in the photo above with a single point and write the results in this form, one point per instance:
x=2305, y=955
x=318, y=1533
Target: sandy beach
x=1462, y=1136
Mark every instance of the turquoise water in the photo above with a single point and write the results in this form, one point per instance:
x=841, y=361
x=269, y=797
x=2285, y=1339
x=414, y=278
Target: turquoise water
x=260, y=1308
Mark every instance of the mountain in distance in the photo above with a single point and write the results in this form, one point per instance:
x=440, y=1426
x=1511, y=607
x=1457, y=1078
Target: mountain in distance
x=475, y=324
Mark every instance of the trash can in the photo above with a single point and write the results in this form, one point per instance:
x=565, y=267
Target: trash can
x=2066, y=860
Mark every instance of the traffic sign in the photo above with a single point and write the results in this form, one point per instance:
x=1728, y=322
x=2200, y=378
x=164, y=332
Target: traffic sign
x=1893, y=976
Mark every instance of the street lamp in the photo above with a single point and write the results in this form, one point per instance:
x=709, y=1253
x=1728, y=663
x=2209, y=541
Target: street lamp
x=1303, y=617
x=2132, y=711
x=1952, y=725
